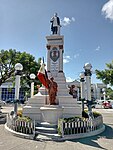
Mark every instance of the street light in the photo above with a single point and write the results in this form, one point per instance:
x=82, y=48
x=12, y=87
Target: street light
x=18, y=69
x=32, y=77
x=82, y=76
x=88, y=74
x=104, y=93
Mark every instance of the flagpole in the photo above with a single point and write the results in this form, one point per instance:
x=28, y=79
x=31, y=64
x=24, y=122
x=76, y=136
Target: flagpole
x=45, y=87
x=43, y=59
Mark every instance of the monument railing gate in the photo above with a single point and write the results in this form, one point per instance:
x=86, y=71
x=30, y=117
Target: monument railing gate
x=79, y=126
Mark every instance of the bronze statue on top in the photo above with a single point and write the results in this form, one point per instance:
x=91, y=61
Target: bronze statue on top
x=55, y=26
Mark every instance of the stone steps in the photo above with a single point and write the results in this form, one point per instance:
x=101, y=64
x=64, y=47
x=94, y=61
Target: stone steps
x=46, y=131
x=47, y=137
x=46, y=124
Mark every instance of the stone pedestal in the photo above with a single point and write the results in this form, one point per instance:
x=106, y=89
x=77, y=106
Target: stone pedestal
x=55, y=54
x=37, y=107
x=51, y=113
x=64, y=100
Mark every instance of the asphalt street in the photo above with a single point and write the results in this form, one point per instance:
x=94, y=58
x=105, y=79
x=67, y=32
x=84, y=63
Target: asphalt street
x=104, y=141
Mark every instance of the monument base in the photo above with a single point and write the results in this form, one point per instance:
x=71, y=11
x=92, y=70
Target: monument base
x=51, y=113
x=41, y=100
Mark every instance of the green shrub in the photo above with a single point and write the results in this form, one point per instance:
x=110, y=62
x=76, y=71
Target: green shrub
x=71, y=119
x=96, y=114
x=25, y=118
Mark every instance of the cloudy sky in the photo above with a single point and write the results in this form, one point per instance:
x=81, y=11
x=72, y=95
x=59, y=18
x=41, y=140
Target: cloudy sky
x=87, y=26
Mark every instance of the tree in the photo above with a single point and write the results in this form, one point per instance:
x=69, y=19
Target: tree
x=109, y=93
x=8, y=59
x=106, y=75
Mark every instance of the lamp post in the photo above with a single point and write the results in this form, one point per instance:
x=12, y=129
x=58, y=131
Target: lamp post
x=88, y=74
x=32, y=77
x=18, y=69
x=82, y=85
x=104, y=93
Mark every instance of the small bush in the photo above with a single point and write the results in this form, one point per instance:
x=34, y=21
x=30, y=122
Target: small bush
x=96, y=114
x=25, y=118
x=19, y=113
x=71, y=119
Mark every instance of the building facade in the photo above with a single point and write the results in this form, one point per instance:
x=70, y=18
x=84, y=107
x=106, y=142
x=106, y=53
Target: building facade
x=7, y=92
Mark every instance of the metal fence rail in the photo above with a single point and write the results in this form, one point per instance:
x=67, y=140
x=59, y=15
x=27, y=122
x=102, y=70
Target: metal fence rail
x=20, y=126
x=80, y=126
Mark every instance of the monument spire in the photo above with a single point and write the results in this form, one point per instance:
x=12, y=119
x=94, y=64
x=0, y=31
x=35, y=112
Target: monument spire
x=39, y=109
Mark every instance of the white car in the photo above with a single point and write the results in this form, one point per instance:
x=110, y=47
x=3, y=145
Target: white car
x=99, y=101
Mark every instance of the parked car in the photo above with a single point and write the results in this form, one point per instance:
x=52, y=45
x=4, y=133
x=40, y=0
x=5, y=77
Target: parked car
x=106, y=104
x=94, y=104
x=9, y=101
x=111, y=102
x=99, y=101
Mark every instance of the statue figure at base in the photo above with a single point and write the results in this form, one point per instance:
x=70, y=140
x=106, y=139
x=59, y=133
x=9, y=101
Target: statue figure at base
x=55, y=26
x=52, y=90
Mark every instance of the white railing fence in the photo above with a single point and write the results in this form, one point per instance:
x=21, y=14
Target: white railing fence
x=64, y=128
x=79, y=126
x=20, y=126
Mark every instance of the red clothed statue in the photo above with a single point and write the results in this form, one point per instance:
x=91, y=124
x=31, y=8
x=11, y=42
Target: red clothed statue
x=52, y=90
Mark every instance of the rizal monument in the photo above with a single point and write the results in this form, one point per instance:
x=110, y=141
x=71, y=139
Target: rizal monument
x=46, y=106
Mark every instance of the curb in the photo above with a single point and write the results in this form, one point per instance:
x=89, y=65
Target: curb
x=18, y=134
x=84, y=135
x=75, y=136
x=69, y=137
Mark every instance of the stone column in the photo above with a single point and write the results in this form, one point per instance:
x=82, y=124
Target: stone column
x=88, y=74
x=88, y=85
x=104, y=93
x=61, y=58
x=48, y=58
x=18, y=73
x=0, y=93
x=78, y=94
x=82, y=85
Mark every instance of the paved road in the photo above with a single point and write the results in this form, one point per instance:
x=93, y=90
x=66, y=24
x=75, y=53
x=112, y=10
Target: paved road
x=104, y=141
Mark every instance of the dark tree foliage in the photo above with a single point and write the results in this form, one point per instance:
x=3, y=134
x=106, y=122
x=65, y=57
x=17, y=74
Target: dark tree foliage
x=106, y=75
x=109, y=92
x=8, y=59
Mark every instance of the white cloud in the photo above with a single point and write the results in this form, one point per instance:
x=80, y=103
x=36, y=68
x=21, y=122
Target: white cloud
x=98, y=48
x=73, y=19
x=69, y=79
x=76, y=55
x=66, y=59
x=107, y=10
x=66, y=21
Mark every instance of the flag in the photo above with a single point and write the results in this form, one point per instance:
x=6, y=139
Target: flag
x=42, y=75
